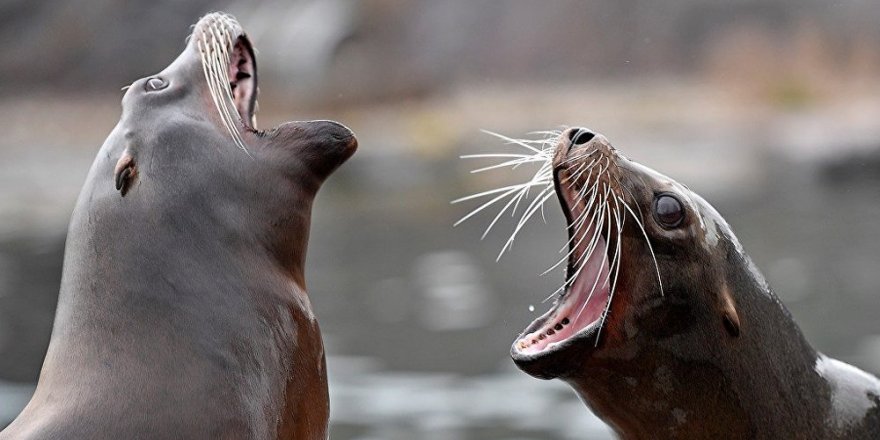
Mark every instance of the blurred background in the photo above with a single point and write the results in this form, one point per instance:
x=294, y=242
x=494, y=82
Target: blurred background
x=768, y=108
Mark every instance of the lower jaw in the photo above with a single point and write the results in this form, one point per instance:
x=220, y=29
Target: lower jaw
x=574, y=318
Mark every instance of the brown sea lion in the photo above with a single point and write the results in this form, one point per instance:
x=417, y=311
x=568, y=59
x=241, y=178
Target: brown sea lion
x=666, y=329
x=183, y=311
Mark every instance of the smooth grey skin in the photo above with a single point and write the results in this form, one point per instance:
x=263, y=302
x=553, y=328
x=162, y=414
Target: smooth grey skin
x=717, y=355
x=183, y=311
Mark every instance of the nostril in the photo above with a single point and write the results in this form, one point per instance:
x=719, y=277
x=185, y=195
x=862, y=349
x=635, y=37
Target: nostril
x=580, y=136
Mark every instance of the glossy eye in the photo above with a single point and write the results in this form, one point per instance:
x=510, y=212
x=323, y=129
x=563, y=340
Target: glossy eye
x=154, y=84
x=668, y=211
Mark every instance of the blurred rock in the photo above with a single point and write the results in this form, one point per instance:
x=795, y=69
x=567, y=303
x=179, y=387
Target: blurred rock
x=860, y=165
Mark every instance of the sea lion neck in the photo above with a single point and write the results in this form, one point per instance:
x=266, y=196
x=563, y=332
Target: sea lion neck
x=150, y=246
x=143, y=298
x=217, y=201
x=666, y=393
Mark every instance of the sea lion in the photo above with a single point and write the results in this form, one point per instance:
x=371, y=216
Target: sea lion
x=183, y=310
x=666, y=329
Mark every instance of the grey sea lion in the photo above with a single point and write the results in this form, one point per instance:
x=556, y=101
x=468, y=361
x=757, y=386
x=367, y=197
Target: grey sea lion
x=666, y=329
x=183, y=311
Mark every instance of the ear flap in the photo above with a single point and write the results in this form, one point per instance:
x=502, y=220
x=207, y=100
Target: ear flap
x=124, y=172
x=729, y=316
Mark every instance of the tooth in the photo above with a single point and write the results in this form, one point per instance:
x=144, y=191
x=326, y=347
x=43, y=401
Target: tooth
x=565, y=321
x=541, y=336
x=558, y=326
x=551, y=332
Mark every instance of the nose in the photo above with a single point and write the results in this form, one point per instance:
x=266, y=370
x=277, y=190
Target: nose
x=579, y=136
x=584, y=140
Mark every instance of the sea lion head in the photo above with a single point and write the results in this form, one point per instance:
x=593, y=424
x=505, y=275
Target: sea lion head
x=187, y=151
x=649, y=280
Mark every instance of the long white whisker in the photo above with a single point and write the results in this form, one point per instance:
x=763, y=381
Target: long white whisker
x=571, y=248
x=581, y=170
x=538, y=201
x=598, y=272
x=496, y=155
x=648, y=242
x=615, y=263
x=214, y=43
x=484, y=206
x=220, y=47
x=510, y=140
x=515, y=199
x=496, y=191
x=514, y=163
x=594, y=240
x=578, y=223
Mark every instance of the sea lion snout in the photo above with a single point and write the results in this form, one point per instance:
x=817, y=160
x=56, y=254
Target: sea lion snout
x=580, y=154
x=577, y=143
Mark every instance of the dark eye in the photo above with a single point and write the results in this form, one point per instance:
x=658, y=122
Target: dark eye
x=668, y=211
x=154, y=84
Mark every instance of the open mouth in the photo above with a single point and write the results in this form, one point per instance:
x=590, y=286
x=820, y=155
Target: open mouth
x=579, y=311
x=229, y=65
x=230, y=68
x=242, y=75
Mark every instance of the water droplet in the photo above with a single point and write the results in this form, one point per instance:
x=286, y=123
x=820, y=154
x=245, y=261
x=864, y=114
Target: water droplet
x=531, y=308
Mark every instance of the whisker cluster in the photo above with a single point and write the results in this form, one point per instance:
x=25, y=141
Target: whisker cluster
x=532, y=193
x=214, y=37
x=599, y=209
